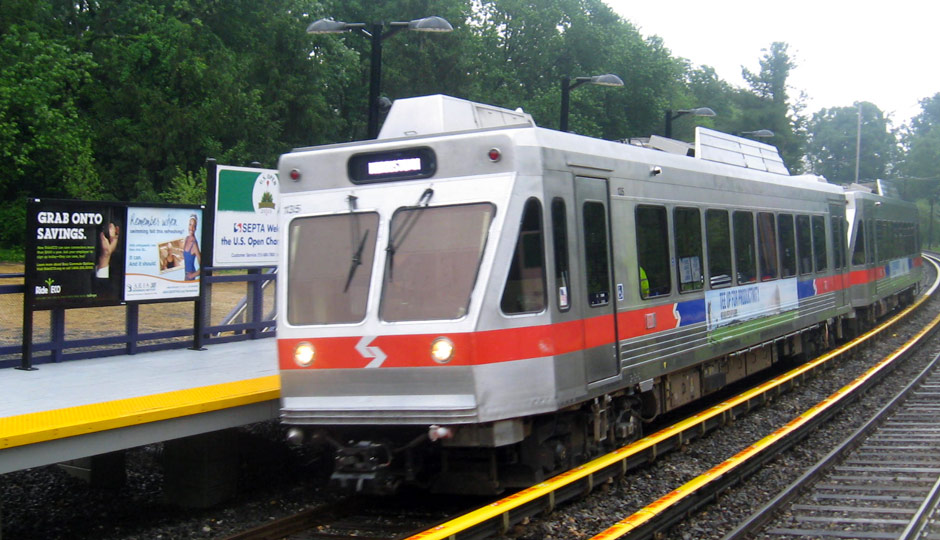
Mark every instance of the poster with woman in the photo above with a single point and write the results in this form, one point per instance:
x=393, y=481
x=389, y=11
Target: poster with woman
x=163, y=255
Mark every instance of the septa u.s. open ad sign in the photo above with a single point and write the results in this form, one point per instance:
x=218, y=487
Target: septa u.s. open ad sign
x=246, y=224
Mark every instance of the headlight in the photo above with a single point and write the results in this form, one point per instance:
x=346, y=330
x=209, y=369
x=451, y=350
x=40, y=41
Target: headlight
x=442, y=350
x=304, y=354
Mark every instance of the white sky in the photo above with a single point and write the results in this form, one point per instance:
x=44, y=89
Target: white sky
x=883, y=52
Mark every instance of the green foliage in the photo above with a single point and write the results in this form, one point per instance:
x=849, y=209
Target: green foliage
x=43, y=136
x=834, y=134
x=15, y=255
x=125, y=100
x=770, y=106
x=186, y=187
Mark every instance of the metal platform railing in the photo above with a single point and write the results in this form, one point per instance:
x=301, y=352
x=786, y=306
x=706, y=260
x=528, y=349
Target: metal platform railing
x=224, y=312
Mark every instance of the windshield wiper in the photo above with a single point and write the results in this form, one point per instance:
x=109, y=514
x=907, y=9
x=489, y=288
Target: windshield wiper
x=395, y=240
x=356, y=260
x=357, y=256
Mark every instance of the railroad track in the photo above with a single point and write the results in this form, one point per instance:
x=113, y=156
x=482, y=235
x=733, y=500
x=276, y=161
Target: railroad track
x=358, y=516
x=882, y=482
x=498, y=517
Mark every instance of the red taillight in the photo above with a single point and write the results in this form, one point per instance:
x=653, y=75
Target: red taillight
x=294, y=174
x=494, y=154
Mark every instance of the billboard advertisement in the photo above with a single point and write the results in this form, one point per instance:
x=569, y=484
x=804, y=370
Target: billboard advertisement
x=74, y=253
x=246, y=212
x=163, y=254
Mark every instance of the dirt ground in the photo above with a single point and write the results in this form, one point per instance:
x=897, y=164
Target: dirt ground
x=110, y=321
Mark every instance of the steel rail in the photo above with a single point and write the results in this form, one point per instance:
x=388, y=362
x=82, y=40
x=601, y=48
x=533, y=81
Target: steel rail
x=762, y=516
x=672, y=507
x=499, y=516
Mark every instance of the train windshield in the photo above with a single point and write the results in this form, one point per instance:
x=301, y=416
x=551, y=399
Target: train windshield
x=329, y=267
x=433, y=258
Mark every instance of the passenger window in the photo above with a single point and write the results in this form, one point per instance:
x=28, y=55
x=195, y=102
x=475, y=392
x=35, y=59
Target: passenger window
x=688, y=236
x=595, y=254
x=744, y=247
x=767, y=245
x=820, y=249
x=804, y=244
x=652, y=250
x=787, y=245
x=858, y=252
x=525, y=285
x=560, y=245
x=718, y=241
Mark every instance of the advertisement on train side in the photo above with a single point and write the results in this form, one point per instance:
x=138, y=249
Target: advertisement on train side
x=246, y=226
x=745, y=302
x=163, y=254
x=74, y=253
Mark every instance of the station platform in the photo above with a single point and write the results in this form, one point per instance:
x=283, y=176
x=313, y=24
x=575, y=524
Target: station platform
x=84, y=408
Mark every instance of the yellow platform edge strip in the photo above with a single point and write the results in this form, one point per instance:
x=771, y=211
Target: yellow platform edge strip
x=45, y=426
x=451, y=528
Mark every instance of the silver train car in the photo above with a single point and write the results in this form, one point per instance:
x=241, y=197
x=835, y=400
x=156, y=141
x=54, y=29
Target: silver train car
x=471, y=302
x=884, y=242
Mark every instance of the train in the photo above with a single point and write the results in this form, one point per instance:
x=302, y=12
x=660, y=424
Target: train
x=470, y=303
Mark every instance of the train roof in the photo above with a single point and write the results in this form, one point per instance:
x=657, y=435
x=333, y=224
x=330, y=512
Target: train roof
x=713, y=151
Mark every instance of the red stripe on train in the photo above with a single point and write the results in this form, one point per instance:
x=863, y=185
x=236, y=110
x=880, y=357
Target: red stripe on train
x=488, y=347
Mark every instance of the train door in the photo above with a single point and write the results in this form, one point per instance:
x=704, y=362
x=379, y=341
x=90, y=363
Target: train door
x=598, y=308
x=840, y=263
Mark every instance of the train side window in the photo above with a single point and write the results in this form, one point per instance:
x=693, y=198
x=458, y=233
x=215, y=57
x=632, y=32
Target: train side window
x=595, y=254
x=820, y=247
x=652, y=251
x=525, y=286
x=688, y=235
x=744, y=258
x=804, y=244
x=767, y=246
x=787, y=245
x=560, y=245
x=718, y=245
x=858, y=253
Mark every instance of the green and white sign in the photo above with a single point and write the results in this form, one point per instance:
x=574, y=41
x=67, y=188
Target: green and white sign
x=246, y=228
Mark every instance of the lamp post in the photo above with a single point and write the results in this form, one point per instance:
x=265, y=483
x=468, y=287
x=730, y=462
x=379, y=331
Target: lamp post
x=607, y=79
x=700, y=111
x=377, y=34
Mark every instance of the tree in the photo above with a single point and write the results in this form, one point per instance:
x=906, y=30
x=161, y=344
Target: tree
x=527, y=47
x=920, y=166
x=831, y=151
x=770, y=106
x=44, y=138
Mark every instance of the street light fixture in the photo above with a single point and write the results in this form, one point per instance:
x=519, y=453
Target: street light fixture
x=759, y=134
x=700, y=111
x=377, y=34
x=607, y=79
